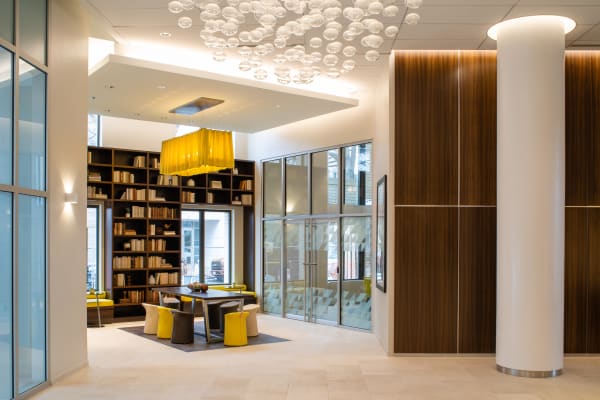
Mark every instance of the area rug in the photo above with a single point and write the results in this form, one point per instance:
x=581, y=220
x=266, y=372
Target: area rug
x=199, y=341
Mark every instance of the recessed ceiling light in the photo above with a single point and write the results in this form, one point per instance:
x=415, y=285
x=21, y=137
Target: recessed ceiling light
x=161, y=87
x=165, y=34
x=195, y=106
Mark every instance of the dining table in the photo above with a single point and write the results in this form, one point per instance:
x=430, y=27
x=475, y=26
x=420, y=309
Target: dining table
x=207, y=298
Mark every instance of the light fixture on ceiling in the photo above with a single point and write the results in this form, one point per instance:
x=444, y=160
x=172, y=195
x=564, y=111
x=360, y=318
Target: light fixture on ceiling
x=199, y=152
x=195, y=106
x=334, y=35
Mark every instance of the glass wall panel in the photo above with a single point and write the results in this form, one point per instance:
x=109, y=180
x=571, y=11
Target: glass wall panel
x=357, y=178
x=6, y=116
x=356, y=276
x=296, y=185
x=31, y=291
x=93, y=248
x=32, y=28
x=217, y=247
x=32, y=127
x=296, y=248
x=190, y=246
x=272, y=194
x=325, y=182
x=7, y=20
x=272, y=266
x=324, y=267
x=6, y=329
x=93, y=130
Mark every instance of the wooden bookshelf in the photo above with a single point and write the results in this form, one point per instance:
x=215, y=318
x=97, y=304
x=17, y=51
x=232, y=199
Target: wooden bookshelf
x=141, y=205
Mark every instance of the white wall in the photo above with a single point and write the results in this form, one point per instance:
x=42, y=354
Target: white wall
x=383, y=303
x=134, y=134
x=67, y=140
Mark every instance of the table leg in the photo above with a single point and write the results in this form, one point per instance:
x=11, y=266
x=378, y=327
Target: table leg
x=206, y=323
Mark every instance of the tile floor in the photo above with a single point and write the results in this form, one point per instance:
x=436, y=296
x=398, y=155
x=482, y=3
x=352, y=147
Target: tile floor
x=319, y=362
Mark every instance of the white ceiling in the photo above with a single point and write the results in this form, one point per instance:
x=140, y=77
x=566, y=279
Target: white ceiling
x=444, y=24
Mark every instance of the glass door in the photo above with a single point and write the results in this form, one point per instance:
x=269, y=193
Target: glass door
x=311, y=286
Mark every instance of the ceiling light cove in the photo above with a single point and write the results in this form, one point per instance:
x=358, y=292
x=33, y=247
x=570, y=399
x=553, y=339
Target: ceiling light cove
x=195, y=106
x=334, y=35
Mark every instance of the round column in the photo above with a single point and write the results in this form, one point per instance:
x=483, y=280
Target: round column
x=530, y=195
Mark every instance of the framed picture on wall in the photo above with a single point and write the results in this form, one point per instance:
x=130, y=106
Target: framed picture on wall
x=381, y=230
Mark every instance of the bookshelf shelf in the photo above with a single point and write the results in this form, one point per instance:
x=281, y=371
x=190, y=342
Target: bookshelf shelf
x=140, y=200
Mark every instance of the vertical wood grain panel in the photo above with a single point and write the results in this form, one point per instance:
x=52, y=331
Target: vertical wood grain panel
x=426, y=128
x=592, y=118
x=578, y=119
x=477, y=276
x=593, y=308
x=576, y=279
x=426, y=279
x=477, y=127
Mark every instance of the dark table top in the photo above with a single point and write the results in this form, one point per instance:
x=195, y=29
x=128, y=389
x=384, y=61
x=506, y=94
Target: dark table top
x=210, y=294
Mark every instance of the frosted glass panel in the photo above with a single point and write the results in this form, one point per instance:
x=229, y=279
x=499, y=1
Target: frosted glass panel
x=296, y=185
x=357, y=178
x=272, y=195
x=6, y=118
x=325, y=182
x=5, y=295
x=7, y=20
x=32, y=291
x=272, y=266
x=32, y=127
x=32, y=28
x=356, y=277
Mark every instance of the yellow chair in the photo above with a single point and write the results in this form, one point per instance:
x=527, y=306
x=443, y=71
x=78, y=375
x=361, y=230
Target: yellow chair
x=235, y=329
x=165, y=323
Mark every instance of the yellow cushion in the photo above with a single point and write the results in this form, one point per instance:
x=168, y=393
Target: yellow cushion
x=185, y=299
x=92, y=295
x=235, y=329
x=230, y=288
x=165, y=323
x=101, y=302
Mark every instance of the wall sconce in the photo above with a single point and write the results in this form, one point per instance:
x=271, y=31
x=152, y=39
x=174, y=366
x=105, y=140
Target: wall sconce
x=71, y=198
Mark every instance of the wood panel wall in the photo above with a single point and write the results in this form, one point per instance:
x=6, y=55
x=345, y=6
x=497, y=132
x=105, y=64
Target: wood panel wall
x=445, y=194
x=446, y=160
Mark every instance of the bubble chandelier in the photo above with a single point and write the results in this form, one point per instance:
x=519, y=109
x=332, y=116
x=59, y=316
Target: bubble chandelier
x=258, y=33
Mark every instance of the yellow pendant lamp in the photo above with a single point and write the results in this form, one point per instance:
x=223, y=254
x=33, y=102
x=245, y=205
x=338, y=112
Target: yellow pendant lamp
x=199, y=152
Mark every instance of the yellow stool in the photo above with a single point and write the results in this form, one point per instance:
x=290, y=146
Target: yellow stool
x=235, y=329
x=165, y=323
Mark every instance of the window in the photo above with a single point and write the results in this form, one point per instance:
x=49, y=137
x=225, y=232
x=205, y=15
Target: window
x=357, y=178
x=206, y=246
x=94, y=130
x=6, y=294
x=93, y=277
x=6, y=116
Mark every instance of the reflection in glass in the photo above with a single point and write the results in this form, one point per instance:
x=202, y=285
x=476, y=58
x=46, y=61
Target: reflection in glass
x=356, y=279
x=324, y=269
x=296, y=184
x=272, y=266
x=93, y=130
x=217, y=247
x=6, y=20
x=357, y=178
x=190, y=246
x=32, y=28
x=295, y=263
x=6, y=328
x=32, y=127
x=6, y=116
x=325, y=178
x=272, y=194
x=32, y=291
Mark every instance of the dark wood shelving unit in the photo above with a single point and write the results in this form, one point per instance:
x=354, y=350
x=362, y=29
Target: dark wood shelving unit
x=111, y=173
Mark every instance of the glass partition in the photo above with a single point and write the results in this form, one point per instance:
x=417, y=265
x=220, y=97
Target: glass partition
x=7, y=9
x=32, y=28
x=272, y=193
x=6, y=278
x=32, y=127
x=325, y=182
x=296, y=185
x=6, y=116
x=272, y=266
x=357, y=178
x=32, y=291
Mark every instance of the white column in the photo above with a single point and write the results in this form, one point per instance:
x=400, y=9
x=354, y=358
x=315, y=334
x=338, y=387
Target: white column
x=530, y=196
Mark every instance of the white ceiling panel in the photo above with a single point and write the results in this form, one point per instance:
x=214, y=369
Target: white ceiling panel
x=129, y=88
x=437, y=44
x=558, y=2
x=488, y=44
x=469, y=2
x=120, y=4
x=462, y=14
x=443, y=31
x=591, y=34
x=584, y=15
x=144, y=17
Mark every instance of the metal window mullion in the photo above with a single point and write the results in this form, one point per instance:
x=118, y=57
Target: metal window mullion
x=231, y=278
x=201, y=245
x=15, y=203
